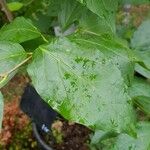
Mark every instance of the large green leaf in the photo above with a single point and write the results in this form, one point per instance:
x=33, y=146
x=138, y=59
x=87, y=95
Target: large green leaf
x=140, y=92
x=105, y=9
x=71, y=11
x=141, y=43
x=142, y=142
x=20, y=30
x=1, y=109
x=78, y=81
x=11, y=55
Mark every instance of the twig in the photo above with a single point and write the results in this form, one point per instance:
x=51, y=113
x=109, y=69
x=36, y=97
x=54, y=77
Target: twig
x=5, y=9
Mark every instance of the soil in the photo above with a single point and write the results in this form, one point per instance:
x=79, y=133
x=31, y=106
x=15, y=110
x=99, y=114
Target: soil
x=75, y=137
x=69, y=136
x=17, y=131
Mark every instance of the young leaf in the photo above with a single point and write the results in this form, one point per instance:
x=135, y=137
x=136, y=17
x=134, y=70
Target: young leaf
x=140, y=92
x=20, y=30
x=14, y=6
x=82, y=84
x=142, y=142
x=1, y=109
x=11, y=55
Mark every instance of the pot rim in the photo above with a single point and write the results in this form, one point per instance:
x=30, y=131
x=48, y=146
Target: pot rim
x=39, y=138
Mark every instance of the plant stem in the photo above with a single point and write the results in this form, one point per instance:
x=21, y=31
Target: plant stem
x=44, y=39
x=5, y=9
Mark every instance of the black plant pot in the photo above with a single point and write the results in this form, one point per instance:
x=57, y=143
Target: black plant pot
x=41, y=114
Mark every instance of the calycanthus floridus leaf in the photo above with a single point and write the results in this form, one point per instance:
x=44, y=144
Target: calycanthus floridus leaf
x=105, y=9
x=140, y=92
x=69, y=12
x=143, y=71
x=78, y=81
x=91, y=22
x=20, y=30
x=11, y=55
x=141, y=43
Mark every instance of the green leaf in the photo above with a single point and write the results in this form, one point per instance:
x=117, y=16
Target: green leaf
x=140, y=92
x=140, y=87
x=100, y=136
x=141, y=43
x=104, y=9
x=20, y=30
x=34, y=7
x=143, y=103
x=11, y=55
x=1, y=109
x=102, y=140
x=143, y=71
x=82, y=84
x=142, y=142
x=91, y=22
x=53, y=8
x=144, y=55
x=141, y=37
x=14, y=6
x=70, y=11
x=97, y=136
